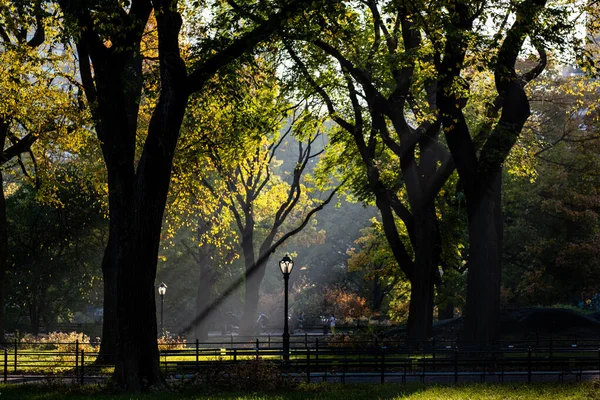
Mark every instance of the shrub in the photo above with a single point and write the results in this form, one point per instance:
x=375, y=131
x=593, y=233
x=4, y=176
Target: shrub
x=60, y=341
x=345, y=303
x=252, y=375
x=356, y=340
x=167, y=342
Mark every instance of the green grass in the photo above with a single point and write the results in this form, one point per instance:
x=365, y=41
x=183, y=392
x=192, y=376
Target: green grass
x=571, y=391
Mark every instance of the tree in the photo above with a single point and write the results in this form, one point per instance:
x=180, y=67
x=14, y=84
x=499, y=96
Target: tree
x=480, y=151
x=375, y=259
x=551, y=203
x=108, y=36
x=201, y=223
x=39, y=100
x=403, y=166
x=238, y=138
x=55, y=241
x=412, y=80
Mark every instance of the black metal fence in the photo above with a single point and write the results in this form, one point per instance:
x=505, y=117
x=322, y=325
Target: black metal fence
x=339, y=358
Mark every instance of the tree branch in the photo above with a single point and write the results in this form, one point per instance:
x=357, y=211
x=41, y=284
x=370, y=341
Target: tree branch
x=204, y=70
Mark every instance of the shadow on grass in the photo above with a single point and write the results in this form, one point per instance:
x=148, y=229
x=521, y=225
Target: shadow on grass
x=584, y=390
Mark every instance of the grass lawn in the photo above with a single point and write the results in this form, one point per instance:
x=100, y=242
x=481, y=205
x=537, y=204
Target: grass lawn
x=587, y=391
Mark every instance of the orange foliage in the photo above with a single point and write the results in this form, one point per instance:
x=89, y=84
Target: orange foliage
x=344, y=304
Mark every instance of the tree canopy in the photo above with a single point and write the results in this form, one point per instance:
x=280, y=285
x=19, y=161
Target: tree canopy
x=215, y=133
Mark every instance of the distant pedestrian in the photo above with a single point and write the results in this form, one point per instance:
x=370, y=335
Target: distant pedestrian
x=261, y=322
x=332, y=324
x=300, y=321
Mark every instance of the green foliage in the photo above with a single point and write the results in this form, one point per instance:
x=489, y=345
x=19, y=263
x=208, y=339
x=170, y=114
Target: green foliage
x=55, y=249
x=374, y=262
x=552, y=233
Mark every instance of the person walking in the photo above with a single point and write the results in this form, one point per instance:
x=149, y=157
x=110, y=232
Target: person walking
x=332, y=324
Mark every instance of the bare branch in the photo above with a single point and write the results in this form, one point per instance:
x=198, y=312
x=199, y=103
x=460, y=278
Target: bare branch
x=539, y=68
x=328, y=102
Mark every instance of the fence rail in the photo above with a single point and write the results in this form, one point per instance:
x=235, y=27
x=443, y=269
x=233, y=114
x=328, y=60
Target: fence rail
x=320, y=358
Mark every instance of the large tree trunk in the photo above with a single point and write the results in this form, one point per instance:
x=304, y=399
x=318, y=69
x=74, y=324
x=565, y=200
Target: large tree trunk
x=254, y=277
x=113, y=93
x=34, y=317
x=108, y=345
x=137, y=362
x=137, y=356
x=3, y=254
x=203, y=302
x=427, y=255
x=485, y=250
x=445, y=297
x=36, y=308
x=377, y=296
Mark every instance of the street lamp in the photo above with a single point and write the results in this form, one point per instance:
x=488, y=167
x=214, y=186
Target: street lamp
x=162, y=289
x=286, y=265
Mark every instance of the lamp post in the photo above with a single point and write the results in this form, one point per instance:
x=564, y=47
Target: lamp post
x=162, y=289
x=286, y=265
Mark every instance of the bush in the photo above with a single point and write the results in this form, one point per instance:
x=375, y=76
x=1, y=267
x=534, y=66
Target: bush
x=356, y=340
x=251, y=375
x=344, y=303
x=60, y=341
x=167, y=342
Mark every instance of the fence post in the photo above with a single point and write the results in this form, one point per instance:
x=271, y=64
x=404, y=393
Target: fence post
x=5, y=365
x=376, y=351
x=76, y=357
x=345, y=366
x=317, y=353
x=529, y=364
x=257, y=347
x=15, y=361
x=82, y=366
x=307, y=365
x=455, y=365
x=382, y=364
x=433, y=352
x=197, y=353
x=234, y=355
x=305, y=340
x=599, y=363
x=269, y=341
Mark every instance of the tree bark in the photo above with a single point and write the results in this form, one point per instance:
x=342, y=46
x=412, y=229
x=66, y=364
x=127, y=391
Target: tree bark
x=203, y=301
x=108, y=345
x=3, y=254
x=377, y=295
x=36, y=308
x=34, y=316
x=254, y=277
x=427, y=257
x=485, y=257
